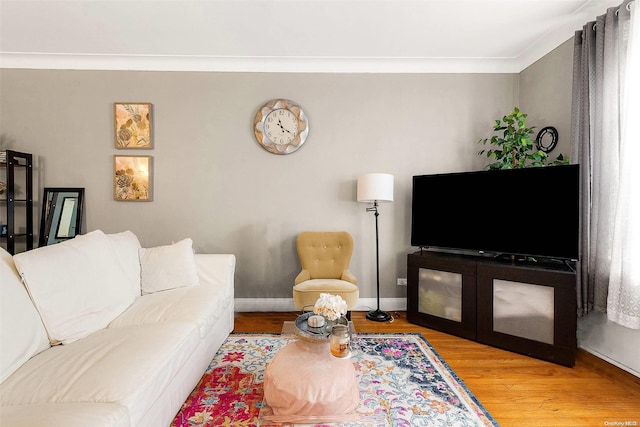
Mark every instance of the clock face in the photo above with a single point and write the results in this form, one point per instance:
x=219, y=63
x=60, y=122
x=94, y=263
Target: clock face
x=280, y=126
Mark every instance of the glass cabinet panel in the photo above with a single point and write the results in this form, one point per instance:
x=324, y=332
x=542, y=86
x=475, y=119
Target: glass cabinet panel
x=440, y=294
x=523, y=310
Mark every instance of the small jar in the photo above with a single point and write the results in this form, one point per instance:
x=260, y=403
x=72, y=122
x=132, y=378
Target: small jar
x=340, y=341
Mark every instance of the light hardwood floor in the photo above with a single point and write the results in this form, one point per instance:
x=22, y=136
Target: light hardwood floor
x=517, y=390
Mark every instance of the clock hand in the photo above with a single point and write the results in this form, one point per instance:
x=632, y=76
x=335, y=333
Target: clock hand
x=283, y=128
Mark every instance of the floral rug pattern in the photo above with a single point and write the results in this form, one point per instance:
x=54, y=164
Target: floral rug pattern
x=403, y=383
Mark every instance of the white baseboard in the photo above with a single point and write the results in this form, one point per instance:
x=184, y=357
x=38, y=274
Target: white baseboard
x=610, y=360
x=264, y=304
x=286, y=304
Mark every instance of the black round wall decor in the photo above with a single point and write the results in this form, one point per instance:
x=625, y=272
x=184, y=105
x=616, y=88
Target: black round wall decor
x=547, y=139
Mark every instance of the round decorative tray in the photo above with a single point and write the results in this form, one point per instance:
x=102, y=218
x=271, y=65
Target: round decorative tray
x=320, y=334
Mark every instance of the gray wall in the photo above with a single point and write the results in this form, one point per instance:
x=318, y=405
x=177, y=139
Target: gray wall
x=214, y=183
x=545, y=94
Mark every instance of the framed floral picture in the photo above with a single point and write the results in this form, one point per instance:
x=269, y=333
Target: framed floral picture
x=132, y=125
x=132, y=177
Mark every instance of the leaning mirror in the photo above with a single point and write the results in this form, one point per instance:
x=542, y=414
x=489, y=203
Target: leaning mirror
x=61, y=214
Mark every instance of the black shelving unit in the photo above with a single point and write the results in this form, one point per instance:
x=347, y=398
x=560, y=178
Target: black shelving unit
x=18, y=171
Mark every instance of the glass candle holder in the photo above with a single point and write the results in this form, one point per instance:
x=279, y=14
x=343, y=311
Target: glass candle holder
x=340, y=341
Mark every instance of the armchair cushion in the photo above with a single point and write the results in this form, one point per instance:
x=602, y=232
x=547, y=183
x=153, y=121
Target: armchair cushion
x=302, y=276
x=307, y=293
x=349, y=277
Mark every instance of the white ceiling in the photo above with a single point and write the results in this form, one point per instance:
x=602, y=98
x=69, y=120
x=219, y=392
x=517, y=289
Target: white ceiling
x=289, y=35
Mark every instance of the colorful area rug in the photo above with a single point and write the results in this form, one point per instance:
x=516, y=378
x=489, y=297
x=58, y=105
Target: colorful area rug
x=403, y=382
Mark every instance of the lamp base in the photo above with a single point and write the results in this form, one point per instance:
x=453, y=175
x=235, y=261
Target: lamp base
x=378, y=315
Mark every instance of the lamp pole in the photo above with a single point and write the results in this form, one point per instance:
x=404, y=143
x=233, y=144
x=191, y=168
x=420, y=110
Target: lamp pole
x=377, y=315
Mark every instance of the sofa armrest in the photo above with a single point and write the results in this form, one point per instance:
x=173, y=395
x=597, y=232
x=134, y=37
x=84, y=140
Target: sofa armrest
x=216, y=270
x=349, y=277
x=302, y=276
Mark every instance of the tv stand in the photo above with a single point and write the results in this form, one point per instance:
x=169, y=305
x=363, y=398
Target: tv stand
x=518, y=305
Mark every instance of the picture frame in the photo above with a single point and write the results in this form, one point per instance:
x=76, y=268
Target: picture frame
x=133, y=125
x=132, y=178
x=62, y=211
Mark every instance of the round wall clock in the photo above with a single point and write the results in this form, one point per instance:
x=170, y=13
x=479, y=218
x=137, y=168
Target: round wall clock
x=280, y=126
x=547, y=139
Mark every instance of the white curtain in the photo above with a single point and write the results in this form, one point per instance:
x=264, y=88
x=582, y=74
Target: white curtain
x=605, y=74
x=623, y=303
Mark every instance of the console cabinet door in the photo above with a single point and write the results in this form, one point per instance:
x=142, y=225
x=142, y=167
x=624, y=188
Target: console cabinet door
x=442, y=293
x=529, y=311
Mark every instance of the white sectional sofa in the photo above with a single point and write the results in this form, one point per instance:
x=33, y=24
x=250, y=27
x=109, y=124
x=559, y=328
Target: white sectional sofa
x=97, y=331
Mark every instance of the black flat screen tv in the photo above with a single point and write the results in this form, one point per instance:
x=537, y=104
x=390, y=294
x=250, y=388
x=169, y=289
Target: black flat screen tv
x=523, y=212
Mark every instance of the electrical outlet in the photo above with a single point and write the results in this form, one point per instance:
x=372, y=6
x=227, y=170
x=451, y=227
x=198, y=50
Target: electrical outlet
x=402, y=282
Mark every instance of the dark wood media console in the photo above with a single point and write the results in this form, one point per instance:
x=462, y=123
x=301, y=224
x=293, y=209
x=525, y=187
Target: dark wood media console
x=525, y=307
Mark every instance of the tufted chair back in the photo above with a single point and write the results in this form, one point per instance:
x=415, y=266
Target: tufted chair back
x=325, y=254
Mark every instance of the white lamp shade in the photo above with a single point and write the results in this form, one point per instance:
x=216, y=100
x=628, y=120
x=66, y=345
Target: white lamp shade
x=375, y=187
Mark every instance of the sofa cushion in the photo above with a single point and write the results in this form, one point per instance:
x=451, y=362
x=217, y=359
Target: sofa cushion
x=202, y=304
x=80, y=414
x=23, y=334
x=168, y=267
x=217, y=271
x=130, y=367
x=126, y=245
x=77, y=286
x=199, y=304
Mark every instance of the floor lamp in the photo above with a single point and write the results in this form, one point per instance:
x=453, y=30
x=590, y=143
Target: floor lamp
x=374, y=188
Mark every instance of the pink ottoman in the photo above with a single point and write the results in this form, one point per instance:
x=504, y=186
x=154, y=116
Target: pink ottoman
x=305, y=379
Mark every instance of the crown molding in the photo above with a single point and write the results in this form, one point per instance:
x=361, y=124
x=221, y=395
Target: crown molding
x=50, y=61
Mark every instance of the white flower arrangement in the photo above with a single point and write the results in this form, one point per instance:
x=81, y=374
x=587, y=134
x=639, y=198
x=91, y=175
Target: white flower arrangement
x=330, y=306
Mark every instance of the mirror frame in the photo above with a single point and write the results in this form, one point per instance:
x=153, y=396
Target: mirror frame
x=50, y=222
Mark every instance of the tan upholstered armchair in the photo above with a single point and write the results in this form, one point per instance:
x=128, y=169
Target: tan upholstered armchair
x=324, y=257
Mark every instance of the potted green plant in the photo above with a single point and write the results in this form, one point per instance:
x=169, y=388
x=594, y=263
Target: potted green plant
x=513, y=148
